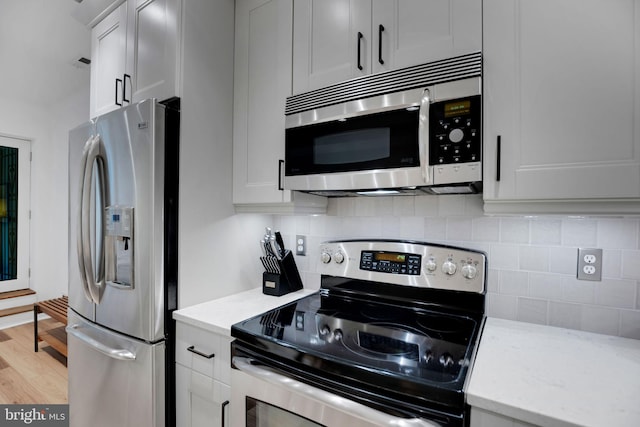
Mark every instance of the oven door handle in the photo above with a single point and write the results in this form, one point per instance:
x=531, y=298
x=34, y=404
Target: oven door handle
x=339, y=403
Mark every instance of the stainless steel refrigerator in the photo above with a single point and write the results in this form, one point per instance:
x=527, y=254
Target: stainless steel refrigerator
x=123, y=262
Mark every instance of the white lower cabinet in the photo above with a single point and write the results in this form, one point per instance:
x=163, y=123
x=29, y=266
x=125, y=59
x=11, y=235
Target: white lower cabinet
x=482, y=418
x=203, y=377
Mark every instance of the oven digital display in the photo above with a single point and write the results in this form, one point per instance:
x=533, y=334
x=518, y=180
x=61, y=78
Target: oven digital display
x=388, y=346
x=391, y=262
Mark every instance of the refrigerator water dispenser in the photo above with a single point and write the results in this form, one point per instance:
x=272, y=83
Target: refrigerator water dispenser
x=119, y=246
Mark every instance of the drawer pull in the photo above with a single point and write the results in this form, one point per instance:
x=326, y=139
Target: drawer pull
x=192, y=349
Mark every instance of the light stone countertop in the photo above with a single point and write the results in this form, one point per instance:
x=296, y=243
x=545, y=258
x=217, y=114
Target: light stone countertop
x=556, y=377
x=218, y=315
x=537, y=374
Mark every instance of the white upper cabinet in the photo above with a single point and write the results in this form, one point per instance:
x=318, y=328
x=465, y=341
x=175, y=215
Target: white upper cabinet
x=561, y=103
x=335, y=40
x=134, y=54
x=262, y=81
x=108, y=54
x=152, y=49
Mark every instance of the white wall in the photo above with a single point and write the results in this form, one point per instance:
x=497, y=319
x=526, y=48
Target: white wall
x=216, y=246
x=532, y=260
x=47, y=128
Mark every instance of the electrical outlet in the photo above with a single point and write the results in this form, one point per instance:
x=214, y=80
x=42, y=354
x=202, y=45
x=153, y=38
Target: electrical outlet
x=301, y=245
x=589, y=264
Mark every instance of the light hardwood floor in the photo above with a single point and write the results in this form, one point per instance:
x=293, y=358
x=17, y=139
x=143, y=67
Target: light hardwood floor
x=30, y=377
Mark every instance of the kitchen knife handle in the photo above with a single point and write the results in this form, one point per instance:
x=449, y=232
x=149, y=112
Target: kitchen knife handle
x=118, y=80
x=360, y=37
x=124, y=88
x=498, y=156
x=224, y=406
x=280, y=168
x=193, y=350
x=380, y=30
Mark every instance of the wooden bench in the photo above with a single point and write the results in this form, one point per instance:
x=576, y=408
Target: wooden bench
x=57, y=337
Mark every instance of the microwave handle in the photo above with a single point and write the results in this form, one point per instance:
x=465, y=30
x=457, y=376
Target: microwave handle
x=423, y=135
x=339, y=403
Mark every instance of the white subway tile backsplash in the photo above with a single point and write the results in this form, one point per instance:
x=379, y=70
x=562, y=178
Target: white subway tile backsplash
x=600, y=320
x=579, y=291
x=502, y=306
x=505, y=257
x=546, y=231
x=435, y=229
x=579, y=232
x=532, y=260
x=514, y=230
x=514, y=282
x=451, y=206
x=631, y=264
x=563, y=260
x=403, y=206
x=612, y=263
x=546, y=286
x=617, y=233
x=616, y=293
x=630, y=324
x=459, y=228
x=426, y=206
x=485, y=229
x=565, y=315
x=532, y=310
x=412, y=228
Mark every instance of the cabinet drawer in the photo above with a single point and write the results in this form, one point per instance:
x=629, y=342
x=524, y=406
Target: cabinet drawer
x=204, y=352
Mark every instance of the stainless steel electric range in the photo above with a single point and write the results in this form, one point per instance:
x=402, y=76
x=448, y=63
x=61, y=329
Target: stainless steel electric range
x=388, y=340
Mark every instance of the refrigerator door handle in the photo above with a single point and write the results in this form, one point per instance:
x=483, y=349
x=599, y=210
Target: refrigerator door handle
x=95, y=156
x=114, y=353
x=79, y=240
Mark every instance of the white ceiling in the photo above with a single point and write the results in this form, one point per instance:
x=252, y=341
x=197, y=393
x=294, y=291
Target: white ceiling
x=40, y=43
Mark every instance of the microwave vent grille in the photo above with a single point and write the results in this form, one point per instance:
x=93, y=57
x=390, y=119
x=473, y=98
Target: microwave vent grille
x=446, y=70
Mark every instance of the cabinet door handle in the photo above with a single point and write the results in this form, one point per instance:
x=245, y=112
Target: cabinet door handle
x=118, y=103
x=360, y=37
x=224, y=406
x=124, y=88
x=193, y=350
x=380, y=31
x=280, y=167
x=498, y=155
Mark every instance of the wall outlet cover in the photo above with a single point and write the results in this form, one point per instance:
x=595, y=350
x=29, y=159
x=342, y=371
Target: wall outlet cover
x=589, y=264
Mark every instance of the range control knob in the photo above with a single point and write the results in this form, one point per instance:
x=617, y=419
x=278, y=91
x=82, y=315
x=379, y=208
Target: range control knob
x=431, y=265
x=337, y=334
x=449, y=267
x=338, y=257
x=446, y=360
x=325, y=257
x=469, y=271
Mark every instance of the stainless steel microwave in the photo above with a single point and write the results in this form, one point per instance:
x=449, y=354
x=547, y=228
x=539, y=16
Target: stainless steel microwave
x=407, y=131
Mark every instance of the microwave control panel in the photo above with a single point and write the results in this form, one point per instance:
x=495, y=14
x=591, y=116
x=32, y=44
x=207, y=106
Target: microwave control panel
x=455, y=131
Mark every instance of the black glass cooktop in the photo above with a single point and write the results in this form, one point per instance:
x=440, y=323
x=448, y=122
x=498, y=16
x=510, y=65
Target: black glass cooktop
x=409, y=353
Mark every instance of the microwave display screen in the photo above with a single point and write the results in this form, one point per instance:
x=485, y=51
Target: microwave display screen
x=364, y=145
x=457, y=108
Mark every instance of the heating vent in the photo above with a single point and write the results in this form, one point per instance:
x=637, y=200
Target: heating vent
x=443, y=71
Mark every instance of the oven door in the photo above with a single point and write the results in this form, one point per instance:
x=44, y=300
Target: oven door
x=264, y=397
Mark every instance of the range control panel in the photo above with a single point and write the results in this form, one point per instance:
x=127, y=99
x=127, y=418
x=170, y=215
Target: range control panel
x=391, y=262
x=408, y=263
x=454, y=131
